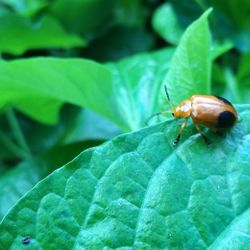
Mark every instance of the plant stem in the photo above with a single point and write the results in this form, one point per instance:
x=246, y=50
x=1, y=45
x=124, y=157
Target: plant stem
x=12, y=147
x=17, y=131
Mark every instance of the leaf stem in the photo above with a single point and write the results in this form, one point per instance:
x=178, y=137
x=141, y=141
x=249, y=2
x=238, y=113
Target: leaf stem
x=12, y=147
x=17, y=131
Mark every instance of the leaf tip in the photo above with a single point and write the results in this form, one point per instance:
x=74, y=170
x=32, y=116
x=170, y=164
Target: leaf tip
x=207, y=12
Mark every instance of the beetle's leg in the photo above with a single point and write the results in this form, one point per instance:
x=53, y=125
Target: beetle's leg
x=207, y=141
x=180, y=131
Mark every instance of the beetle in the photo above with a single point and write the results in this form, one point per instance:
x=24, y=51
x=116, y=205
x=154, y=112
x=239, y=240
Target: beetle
x=210, y=111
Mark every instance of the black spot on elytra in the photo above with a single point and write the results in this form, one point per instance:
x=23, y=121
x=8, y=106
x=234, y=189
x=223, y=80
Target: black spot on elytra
x=224, y=100
x=226, y=119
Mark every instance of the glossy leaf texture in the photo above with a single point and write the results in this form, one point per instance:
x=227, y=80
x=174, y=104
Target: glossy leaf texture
x=26, y=174
x=137, y=82
x=110, y=90
x=19, y=34
x=84, y=83
x=23, y=177
x=52, y=147
x=126, y=92
x=137, y=191
x=190, y=67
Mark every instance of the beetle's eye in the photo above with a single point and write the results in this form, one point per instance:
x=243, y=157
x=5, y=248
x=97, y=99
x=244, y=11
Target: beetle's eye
x=172, y=114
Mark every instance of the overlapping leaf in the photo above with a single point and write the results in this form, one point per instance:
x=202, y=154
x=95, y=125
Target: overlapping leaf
x=84, y=83
x=125, y=92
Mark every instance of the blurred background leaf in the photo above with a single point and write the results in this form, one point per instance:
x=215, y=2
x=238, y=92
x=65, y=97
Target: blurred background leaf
x=18, y=34
x=166, y=24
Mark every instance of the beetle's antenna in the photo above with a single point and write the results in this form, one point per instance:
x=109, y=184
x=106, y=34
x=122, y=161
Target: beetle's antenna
x=164, y=112
x=169, y=101
x=154, y=115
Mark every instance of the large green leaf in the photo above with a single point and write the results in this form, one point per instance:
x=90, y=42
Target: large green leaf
x=139, y=192
x=125, y=92
x=16, y=182
x=51, y=147
x=80, y=82
x=190, y=68
x=113, y=91
x=20, y=179
x=17, y=35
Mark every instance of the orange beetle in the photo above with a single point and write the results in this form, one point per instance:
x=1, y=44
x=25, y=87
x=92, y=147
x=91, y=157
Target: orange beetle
x=210, y=111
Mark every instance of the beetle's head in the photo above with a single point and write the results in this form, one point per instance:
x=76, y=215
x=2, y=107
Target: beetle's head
x=176, y=113
x=183, y=110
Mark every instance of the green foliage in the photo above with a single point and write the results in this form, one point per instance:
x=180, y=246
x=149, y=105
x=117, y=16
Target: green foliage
x=78, y=17
x=136, y=87
x=230, y=21
x=193, y=62
x=243, y=79
x=105, y=90
x=17, y=35
x=172, y=199
x=77, y=87
x=73, y=76
x=165, y=23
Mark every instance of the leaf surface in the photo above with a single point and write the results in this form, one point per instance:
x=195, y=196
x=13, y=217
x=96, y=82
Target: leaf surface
x=23, y=177
x=137, y=81
x=126, y=92
x=113, y=90
x=18, y=34
x=190, y=67
x=139, y=192
x=80, y=82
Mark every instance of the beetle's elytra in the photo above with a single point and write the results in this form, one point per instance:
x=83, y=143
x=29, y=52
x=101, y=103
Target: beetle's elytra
x=210, y=111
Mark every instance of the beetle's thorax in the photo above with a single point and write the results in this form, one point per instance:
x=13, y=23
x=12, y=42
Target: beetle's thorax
x=183, y=109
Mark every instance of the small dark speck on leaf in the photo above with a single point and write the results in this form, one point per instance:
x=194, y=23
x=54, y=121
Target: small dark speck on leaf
x=26, y=240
